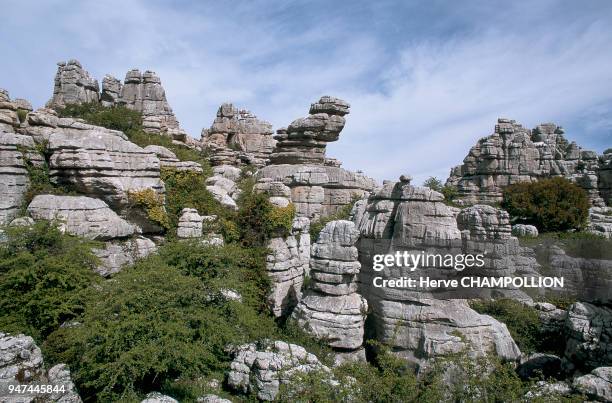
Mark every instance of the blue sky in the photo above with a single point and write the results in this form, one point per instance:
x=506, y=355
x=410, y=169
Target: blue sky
x=425, y=79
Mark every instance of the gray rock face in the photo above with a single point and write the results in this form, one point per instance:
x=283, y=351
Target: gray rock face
x=9, y=119
x=190, y=224
x=167, y=159
x=21, y=363
x=212, y=399
x=600, y=221
x=588, y=329
x=331, y=309
x=597, y=385
x=262, y=369
x=286, y=265
x=421, y=323
x=73, y=85
x=111, y=90
x=156, y=397
x=82, y=216
x=604, y=179
x=514, y=154
x=15, y=152
x=238, y=137
x=118, y=254
x=523, y=230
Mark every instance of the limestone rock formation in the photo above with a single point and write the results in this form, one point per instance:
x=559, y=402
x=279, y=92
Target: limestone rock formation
x=331, y=309
x=600, y=221
x=261, y=369
x=21, y=363
x=16, y=152
x=604, y=179
x=597, y=385
x=238, y=137
x=118, y=254
x=167, y=159
x=9, y=119
x=588, y=330
x=190, y=224
x=514, y=154
x=319, y=187
x=156, y=397
x=523, y=230
x=422, y=322
x=111, y=91
x=83, y=216
x=286, y=265
x=73, y=85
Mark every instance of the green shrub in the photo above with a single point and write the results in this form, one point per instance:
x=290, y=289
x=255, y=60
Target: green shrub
x=22, y=114
x=450, y=192
x=113, y=117
x=258, y=220
x=153, y=205
x=524, y=325
x=343, y=213
x=553, y=204
x=434, y=184
x=42, y=275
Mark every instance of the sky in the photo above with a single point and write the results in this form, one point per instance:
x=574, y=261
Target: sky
x=425, y=79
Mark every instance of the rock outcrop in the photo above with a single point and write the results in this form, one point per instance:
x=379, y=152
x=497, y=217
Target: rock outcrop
x=597, y=385
x=261, y=369
x=82, y=216
x=118, y=254
x=319, y=187
x=514, y=154
x=421, y=322
x=238, y=137
x=286, y=265
x=167, y=159
x=331, y=309
x=600, y=221
x=21, y=363
x=73, y=85
x=9, y=119
x=588, y=330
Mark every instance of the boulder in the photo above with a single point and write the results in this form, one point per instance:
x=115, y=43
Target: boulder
x=156, y=397
x=597, y=385
x=82, y=216
x=600, y=221
x=261, y=369
x=210, y=398
x=190, y=224
x=539, y=365
x=118, y=254
x=525, y=231
x=73, y=85
x=167, y=159
x=588, y=329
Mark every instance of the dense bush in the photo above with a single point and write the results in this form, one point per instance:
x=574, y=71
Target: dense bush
x=42, y=275
x=553, y=204
x=259, y=220
x=524, y=325
x=450, y=192
x=152, y=203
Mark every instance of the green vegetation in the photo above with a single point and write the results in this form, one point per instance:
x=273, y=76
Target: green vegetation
x=343, y=213
x=553, y=204
x=258, y=220
x=577, y=244
x=523, y=323
x=42, y=276
x=450, y=192
x=22, y=114
x=153, y=205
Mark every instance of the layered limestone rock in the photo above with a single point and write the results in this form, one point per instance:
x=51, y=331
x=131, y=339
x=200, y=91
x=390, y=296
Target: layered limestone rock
x=588, y=330
x=597, y=385
x=167, y=159
x=119, y=254
x=16, y=153
x=21, y=363
x=319, y=187
x=144, y=93
x=604, y=179
x=190, y=223
x=261, y=369
x=111, y=91
x=73, y=85
x=81, y=216
x=514, y=154
x=238, y=137
x=286, y=265
x=9, y=119
x=331, y=309
x=423, y=322
x=600, y=221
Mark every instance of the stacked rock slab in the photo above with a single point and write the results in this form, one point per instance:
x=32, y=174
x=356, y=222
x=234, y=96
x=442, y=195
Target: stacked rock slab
x=21, y=363
x=261, y=369
x=9, y=118
x=331, y=309
x=605, y=177
x=238, y=137
x=167, y=159
x=514, y=154
x=319, y=187
x=421, y=323
x=73, y=85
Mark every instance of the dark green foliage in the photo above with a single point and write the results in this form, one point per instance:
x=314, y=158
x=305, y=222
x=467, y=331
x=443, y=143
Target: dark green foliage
x=343, y=214
x=553, y=204
x=524, y=325
x=164, y=321
x=42, y=275
x=450, y=192
x=22, y=114
x=258, y=219
x=433, y=183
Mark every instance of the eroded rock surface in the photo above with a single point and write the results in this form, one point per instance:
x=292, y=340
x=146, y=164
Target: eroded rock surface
x=588, y=329
x=118, y=254
x=73, y=85
x=596, y=385
x=515, y=154
x=331, y=309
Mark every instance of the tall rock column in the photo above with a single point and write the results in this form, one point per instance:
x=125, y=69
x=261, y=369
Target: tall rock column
x=73, y=85
x=331, y=309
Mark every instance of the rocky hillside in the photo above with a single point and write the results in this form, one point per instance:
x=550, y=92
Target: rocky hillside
x=146, y=265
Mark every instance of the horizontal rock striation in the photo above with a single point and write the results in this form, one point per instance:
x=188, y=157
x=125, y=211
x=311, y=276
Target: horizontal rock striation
x=118, y=254
x=331, y=309
x=514, y=154
x=319, y=186
x=73, y=85
x=238, y=137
